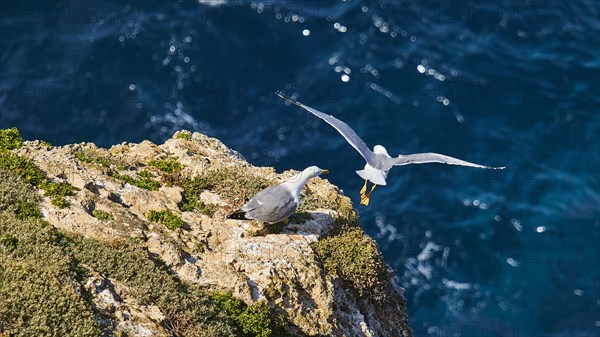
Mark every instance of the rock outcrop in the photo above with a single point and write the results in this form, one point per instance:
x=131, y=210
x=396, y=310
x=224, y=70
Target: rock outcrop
x=320, y=274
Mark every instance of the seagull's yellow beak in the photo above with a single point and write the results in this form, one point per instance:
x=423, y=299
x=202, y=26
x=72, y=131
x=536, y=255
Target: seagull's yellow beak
x=325, y=172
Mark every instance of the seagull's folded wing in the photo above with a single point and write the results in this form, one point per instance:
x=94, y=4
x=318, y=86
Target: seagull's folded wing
x=430, y=157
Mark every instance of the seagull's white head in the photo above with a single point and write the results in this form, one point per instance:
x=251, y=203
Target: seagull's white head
x=380, y=150
x=314, y=171
x=308, y=173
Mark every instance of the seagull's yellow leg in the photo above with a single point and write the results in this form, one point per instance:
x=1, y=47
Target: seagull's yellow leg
x=364, y=188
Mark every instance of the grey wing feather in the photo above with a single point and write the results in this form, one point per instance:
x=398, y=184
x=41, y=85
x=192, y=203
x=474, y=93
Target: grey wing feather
x=257, y=201
x=422, y=158
x=271, y=205
x=343, y=128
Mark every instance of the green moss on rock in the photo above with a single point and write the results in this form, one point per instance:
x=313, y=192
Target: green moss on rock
x=166, y=218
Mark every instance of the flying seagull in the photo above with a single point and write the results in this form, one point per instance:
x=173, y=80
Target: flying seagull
x=379, y=162
x=277, y=203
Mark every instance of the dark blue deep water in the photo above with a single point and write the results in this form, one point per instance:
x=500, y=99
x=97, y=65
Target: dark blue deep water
x=510, y=253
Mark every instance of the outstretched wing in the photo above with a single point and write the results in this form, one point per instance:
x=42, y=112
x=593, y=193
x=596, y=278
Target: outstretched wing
x=423, y=158
x=343, y=128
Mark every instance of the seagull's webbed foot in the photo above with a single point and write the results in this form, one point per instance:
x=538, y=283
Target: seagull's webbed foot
x=364, y=198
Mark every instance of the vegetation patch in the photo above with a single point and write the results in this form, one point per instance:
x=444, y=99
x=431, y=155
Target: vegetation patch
x=60, y=202
x=88, y=156
x=197, y=205
x=8, y=241
x=17, y=197
x=10, y=139
x=38, y=296
x=28, y=172
x=228, y=182
x=23, y=168
x=166, y=164
x=166, y=218
x=345, y=213
x=42, y=273
x=256, y=320
x=57, y=191
x=184, y=135
x=37, y=292
x=188, y=309
x=27, y=210
x=143, y=180
x=103, y=158
x=351, y=255
x=102, y=215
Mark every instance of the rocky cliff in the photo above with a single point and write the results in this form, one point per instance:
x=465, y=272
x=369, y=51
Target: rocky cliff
x=134, y=241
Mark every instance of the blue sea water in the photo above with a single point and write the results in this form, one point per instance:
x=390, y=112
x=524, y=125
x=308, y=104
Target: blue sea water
x=508, y=83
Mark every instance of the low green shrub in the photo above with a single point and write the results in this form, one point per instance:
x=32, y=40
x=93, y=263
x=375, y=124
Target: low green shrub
x=188, y=310
x=184, y=135
x=255, y=320
x=166, y=164
x=38, y=292
x=166, y=218
x=10, y=139
x=8, y=241
x=60, y=189
x=88, y=156
x=231, y=183
x=42, y=293
x=354, y=257
x=27, y=210
x=143, y=180
x=60, y=202
x=28, y=172
x=102, y=215
x=23, y=168
x=18, y=197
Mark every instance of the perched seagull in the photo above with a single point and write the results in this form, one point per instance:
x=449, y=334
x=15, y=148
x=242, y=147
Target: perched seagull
x=277, y=203
x=379, y=162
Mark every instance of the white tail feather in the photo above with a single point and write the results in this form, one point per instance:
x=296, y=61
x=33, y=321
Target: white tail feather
x=373, y=175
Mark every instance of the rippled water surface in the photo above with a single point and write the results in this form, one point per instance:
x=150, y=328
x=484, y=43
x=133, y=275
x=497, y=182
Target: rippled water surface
x=508, y=83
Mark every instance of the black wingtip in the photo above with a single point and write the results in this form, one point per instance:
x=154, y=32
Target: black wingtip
x=238, y=215
x=287, y=98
